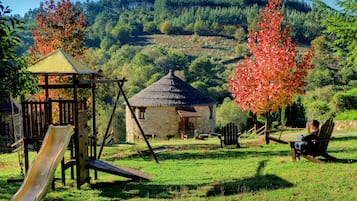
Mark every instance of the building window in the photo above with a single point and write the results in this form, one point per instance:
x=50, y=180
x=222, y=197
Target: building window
x=142, y=112
x=134, y=111
x=210, y=111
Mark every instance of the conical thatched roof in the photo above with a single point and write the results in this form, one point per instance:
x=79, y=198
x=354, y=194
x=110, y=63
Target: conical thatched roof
x=170, y=91
x=59, y=62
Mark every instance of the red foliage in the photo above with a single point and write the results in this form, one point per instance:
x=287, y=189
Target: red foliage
x=268, y=79
x=59, y=26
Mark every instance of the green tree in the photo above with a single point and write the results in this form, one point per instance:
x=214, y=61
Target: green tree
x=342, y=24
x=229, y=30
x=150, y=27
x=228, y=112
x=166, y=27
x=121, y=32
x=14, y=79
x=201, y=69
x=239, y=34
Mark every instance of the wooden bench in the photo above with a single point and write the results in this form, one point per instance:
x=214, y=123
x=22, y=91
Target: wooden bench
x=229, y=136
x=203, y=136
x=150, y=136
x=169, y=137
x=319, y=146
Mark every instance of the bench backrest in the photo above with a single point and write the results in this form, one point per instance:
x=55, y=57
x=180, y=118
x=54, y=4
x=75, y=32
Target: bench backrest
x=230, y=134
x=325, y=135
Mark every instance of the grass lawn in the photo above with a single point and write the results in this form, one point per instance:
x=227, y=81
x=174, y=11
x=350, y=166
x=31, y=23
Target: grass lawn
x=201, y=170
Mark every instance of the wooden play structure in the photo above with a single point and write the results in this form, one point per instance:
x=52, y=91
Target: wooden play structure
x=39, y=116
x=319, y=146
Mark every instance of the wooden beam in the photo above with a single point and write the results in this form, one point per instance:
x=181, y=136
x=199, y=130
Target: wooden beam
x=63, y=86
x=101, y=81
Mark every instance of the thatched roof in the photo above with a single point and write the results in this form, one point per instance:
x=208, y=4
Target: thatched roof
x=170, y=91
x=59, y=62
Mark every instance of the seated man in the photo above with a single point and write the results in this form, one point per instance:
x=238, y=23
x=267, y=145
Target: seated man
x=305, y=142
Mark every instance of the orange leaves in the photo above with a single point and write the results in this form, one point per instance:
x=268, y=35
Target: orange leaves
x=59, y=25
x=268, y=79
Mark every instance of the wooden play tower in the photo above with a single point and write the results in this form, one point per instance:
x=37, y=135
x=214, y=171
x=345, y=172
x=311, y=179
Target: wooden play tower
x=38, y=115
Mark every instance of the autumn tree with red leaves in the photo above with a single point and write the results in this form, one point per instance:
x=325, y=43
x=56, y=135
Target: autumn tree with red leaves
x=59, y=25
x=62, y=26
x=268, y=79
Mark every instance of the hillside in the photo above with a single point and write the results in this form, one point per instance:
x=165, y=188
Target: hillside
x=221, y=49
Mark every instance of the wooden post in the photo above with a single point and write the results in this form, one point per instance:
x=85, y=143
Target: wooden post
x=94, y=125
x=76, y=135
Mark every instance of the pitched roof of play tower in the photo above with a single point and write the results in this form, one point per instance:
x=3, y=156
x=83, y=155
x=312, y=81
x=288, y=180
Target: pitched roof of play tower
x=59, y=62
x=170, y=91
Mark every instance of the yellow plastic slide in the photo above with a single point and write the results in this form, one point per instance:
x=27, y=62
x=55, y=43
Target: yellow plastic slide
x=40, y=174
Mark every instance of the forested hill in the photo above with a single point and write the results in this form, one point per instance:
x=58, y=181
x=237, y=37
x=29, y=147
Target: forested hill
x=215, y=33
x=212, y=17
x=202, y=40
x=203, y=17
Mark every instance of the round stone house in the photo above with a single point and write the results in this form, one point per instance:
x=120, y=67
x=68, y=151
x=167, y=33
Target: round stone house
x=170, y=108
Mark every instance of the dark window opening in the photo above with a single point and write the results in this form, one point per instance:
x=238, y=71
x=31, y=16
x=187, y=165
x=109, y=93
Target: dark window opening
x=210, y=111
x=142, y=113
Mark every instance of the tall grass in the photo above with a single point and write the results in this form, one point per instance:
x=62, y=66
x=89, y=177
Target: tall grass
x=201, y=170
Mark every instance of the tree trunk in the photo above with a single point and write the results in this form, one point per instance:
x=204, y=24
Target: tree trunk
x=266, y=128
x=283, y=116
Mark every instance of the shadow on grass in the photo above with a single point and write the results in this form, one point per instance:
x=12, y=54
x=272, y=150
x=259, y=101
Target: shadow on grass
x=203, y=151
x=339, y=160
x=250, y=184
x=344, y=138
x=8, y=189
x=126, y=190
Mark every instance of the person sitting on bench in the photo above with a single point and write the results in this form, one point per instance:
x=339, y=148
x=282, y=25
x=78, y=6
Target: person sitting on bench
x=305, y=142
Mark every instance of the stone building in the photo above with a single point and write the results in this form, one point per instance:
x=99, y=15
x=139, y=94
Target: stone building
x=170, y=108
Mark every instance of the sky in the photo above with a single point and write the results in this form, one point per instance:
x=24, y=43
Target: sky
x=22, y=6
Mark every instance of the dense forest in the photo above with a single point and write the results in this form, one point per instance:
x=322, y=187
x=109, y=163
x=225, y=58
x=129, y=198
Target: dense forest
x=125, y=39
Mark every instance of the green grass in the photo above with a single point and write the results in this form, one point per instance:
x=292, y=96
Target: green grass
x=201, y=170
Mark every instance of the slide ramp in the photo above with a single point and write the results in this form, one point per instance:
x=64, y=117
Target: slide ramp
x=118, y=170
x=40, y=174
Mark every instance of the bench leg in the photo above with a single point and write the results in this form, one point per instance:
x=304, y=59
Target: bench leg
x=292, y=151
x=238, y=145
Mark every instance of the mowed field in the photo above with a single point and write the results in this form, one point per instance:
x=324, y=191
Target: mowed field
x=201, y=170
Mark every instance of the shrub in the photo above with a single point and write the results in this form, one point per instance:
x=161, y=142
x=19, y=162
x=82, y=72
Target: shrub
x=166, y=27
x=150, y=27
x=343, y=101
x=230, y=112
x=347, y=115
x=317, y=110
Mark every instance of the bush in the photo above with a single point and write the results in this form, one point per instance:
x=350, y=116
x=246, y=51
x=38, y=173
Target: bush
x=317, y=110
x=347, y=115
x=230, y=112
x=150, y=27
x=166, y=27
x=343, y=101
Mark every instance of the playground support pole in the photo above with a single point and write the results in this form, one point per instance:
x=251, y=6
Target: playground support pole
x=136, y=121
x=94, y=125
x=110, y=121
x=76, y=134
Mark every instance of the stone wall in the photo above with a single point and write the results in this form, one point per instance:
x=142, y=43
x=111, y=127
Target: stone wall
x=345, y=124
x=164, y=121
